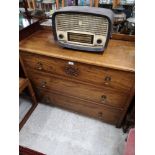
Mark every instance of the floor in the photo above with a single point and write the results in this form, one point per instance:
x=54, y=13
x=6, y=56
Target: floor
x=24, y=106
x=54, y=131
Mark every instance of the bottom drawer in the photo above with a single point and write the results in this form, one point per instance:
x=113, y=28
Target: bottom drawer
x=111, y=116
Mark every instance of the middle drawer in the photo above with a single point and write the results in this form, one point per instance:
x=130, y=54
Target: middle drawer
x=103, y=96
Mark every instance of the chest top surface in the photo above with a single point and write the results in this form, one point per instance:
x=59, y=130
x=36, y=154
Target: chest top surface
x=118, y=55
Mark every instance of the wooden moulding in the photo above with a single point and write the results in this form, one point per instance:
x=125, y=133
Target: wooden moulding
x=124, y=37
x=27, y=31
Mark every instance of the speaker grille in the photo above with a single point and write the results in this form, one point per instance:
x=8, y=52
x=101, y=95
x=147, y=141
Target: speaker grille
x=83, y=23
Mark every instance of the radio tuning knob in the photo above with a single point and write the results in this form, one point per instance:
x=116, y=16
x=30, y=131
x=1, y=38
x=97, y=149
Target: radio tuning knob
x=61, y=36
x=99, y=41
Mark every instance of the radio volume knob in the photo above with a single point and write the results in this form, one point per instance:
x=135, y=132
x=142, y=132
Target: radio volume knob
x=99, y=41
x=61, y=36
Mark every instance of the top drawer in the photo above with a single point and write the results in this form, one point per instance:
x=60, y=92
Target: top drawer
x=120, y=80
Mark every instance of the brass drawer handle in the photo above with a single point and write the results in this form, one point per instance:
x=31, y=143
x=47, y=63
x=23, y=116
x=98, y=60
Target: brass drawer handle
x=39, y=66
x=103, y=99
x=107, y=80
x=71, y=70
x=43, y=84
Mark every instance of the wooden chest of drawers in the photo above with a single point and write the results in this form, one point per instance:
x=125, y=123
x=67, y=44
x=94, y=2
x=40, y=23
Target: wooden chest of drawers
x=97, y=85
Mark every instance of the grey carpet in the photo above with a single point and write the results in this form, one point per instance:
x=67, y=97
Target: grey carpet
x=24, y=106
x=55, y=131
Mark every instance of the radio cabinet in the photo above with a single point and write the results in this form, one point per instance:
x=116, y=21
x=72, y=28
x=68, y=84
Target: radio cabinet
x=96, y=85
x=88, y=29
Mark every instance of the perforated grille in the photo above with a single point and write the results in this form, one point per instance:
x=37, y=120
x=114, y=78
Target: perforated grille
x=82, y=23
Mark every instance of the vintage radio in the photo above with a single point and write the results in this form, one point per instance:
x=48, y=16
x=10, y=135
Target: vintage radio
x=82, y=27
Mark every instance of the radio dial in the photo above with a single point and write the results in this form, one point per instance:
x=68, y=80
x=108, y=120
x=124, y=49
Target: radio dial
x=99, y=41
x=61, y=36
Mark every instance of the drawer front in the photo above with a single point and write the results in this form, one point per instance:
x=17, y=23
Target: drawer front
x=120, y=80
x=80, y=106
x=101, y=96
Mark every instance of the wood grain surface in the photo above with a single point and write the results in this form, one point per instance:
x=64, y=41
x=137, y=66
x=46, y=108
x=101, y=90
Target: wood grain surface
x=118, y=55
x=97, y=85
x=102, y=96
x=102, y=77
x=80, y=106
